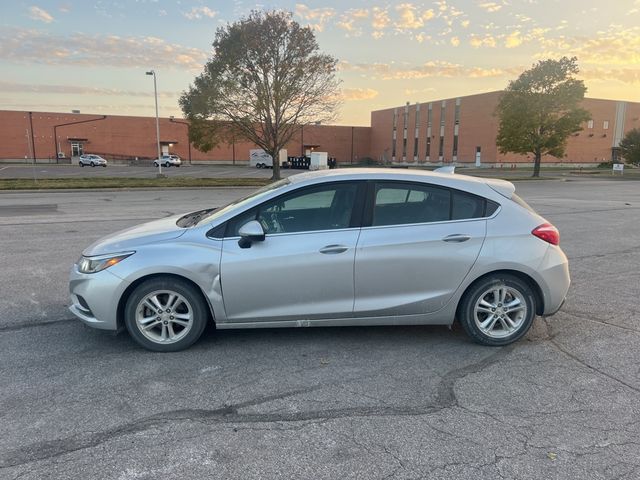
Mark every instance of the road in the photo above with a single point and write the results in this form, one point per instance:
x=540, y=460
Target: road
x=321, y=403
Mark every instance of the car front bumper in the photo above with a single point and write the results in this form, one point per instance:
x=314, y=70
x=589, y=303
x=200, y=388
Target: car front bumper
x=95, y=297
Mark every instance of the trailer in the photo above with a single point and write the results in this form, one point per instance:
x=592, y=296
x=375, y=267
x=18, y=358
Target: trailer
x=260, y=159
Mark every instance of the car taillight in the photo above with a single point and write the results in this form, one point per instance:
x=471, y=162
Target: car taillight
x=548, y=233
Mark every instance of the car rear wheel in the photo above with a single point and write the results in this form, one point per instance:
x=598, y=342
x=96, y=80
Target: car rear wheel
x=167, y=165
x=166, y=314
x=82, y=164
x=93, y=164
x=497, y=310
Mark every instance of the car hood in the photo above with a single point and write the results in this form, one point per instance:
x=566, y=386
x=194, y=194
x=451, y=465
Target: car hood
x=131, y=238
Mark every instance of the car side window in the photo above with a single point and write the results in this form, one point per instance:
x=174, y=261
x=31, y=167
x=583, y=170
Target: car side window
x=325, y=207
x=405, y=203
x=466, y=206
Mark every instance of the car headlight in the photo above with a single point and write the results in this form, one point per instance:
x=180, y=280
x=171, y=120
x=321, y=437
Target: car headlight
x=100, y=262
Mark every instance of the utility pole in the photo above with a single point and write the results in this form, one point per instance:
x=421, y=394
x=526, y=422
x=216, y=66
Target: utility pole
x=155, y=93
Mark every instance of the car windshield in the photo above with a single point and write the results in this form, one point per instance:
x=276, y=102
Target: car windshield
x=210, y=214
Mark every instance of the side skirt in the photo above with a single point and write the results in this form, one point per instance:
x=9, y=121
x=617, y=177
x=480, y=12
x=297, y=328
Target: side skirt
x=344, y=322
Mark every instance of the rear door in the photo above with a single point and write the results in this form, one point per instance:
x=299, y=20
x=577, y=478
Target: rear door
x=418, y=244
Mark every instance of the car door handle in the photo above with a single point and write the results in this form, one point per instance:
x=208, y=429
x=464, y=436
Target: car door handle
x=457, y=237
x=333, y=249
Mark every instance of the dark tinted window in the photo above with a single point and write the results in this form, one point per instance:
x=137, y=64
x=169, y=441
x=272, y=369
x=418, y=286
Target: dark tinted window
x=326, y=207
x=466, y=206
x=402, y=203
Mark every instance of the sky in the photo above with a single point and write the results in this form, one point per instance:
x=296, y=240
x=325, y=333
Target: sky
x=91, y=55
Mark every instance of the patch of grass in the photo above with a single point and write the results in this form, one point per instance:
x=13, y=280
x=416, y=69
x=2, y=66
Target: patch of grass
x=115, y=182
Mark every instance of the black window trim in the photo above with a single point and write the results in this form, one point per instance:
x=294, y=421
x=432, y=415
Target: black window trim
x=367, y=220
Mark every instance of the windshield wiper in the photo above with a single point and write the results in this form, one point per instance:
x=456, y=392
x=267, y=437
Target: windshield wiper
x=191, y=219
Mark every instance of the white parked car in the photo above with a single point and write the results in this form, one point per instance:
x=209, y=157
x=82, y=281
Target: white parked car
x=93, y=160
x=168, y=161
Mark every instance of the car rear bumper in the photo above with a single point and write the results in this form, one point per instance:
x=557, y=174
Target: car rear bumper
x=554, y=273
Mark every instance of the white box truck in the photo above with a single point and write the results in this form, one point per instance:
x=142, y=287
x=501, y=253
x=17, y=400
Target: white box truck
x=260, y=159
x=319, y=161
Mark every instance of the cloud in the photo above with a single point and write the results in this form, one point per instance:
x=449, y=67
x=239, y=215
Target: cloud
x=379, y=21
x=411, y=18
x=624, y=75
x=358, y=93
x=385, y=71
x=19, y=45
x=350, y=21
x=513, y=40
x=455, y=41
x=39, y=14
x=490, y=6
x=486, y=40
x=465, y=23
x=616, y=46
x=413, y=91
x=316, y=18
x=196, y=13
x=48, y=89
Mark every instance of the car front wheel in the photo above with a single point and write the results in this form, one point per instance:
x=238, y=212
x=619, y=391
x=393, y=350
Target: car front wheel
x=167, y=165
x=166, y=314
x=497, y=310
x=155, y=164
x=81, y=164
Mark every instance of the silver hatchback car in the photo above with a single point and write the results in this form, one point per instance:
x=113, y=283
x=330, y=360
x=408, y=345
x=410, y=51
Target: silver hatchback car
x=330, y=248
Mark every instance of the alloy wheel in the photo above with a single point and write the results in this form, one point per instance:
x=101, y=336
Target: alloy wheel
x=500, y=311
x=164, y=316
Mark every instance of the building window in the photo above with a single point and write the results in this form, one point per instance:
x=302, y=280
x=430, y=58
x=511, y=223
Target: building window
x=605, y=125
x=405, y=120
x=457, y=112
x=442, y=107
x=429, y=115
x=428, y=146
x=441, y=147
x=455, y=145
x=590, y=124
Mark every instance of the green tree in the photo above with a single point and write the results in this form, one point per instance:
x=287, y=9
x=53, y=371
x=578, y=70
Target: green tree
x=629, y=147
x=266, y=78
x=540, y=109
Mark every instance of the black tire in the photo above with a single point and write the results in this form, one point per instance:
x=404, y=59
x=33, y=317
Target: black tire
x=93, y=164
x=193, y=296
x=167, y=165
x=500, y=337
x=155, y=164
x=81, y=164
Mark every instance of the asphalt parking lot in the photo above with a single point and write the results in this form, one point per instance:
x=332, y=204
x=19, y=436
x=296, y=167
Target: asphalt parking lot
x=43, y=170
x=377, y=402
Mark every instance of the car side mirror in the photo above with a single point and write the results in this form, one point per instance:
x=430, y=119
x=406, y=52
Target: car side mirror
x=250, y=232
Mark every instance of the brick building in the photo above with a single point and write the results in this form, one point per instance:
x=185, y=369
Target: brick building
x=457, y=130
x=464, y=129
x=28, y=135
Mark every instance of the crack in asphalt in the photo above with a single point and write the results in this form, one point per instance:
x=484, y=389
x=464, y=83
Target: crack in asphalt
x=23, y=325
x=591, y=367
x=228, y=414
x=44, y=323
x=585, y=316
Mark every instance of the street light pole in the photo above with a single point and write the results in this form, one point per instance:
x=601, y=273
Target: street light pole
x=155, y=93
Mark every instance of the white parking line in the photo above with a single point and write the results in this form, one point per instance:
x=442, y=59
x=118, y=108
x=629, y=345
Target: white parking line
x=4, y=168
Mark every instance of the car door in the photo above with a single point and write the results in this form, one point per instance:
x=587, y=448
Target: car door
x=304, y=267
x=417, y=244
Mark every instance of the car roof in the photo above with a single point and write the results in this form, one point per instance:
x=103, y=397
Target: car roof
x=452, y=180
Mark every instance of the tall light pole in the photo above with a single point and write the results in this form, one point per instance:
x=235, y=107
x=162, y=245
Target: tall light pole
x=155, y=92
